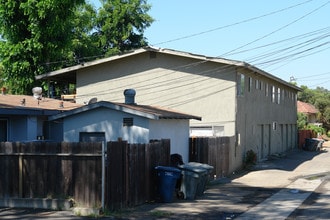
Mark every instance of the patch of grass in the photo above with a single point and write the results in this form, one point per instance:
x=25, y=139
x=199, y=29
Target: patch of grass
x=314, y=177
x=161, y=214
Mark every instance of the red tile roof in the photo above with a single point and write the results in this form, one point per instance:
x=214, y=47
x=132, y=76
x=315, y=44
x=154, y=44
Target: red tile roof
x=307, y=108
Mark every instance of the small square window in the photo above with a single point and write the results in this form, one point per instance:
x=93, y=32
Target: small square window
x=127, y=121
x=250, y=84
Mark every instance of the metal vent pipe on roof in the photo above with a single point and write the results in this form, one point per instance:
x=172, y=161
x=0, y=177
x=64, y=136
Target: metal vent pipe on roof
x=129, y=96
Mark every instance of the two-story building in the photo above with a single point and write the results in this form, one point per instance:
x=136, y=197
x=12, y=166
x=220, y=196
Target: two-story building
x=233, y=98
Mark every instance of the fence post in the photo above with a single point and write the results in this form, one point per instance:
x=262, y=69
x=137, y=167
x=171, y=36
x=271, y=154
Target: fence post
x=20, y=176
x=103, y=175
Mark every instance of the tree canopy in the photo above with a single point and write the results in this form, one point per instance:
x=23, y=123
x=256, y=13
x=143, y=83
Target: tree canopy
x=320, y=98
x=33, y=33
x=38, y=36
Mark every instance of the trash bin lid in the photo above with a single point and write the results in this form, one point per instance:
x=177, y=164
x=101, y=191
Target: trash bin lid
x=170, y=169
x=201, y=165
x=194, y=169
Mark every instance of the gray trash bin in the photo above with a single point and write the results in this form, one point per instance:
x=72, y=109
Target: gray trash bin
x=204, y=178
x=191, y=177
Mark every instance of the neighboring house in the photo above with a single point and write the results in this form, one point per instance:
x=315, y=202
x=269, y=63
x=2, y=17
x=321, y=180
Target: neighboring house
x=309, y=110
x=256, y=109
x=127, y=121
x=25, y=118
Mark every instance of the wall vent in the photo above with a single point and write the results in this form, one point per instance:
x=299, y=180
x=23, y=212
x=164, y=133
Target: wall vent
x=127, y=122
x=152, y=54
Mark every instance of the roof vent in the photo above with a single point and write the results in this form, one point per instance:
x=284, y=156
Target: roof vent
x=92, y=100
x=37, y=92
x=129, y=96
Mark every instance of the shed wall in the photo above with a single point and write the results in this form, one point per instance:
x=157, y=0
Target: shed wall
x=15, y=124
x=109, y=122
x=175, y=130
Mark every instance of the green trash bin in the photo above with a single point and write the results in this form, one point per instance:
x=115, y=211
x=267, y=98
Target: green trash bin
x=191, y=177
x=204, y=178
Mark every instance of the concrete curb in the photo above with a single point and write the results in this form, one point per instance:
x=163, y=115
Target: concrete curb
x=53, y=204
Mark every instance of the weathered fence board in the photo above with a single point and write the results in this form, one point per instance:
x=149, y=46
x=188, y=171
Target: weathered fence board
x=132, y=167
x=51, y=170
x=116, y=185
x=74, y=170
x=211, y=150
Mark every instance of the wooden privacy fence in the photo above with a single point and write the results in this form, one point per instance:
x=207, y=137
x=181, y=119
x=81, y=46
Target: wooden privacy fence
x=74, y=170
x=211, y=150
x=51, y=170
x=302, y=135
x=131, y=176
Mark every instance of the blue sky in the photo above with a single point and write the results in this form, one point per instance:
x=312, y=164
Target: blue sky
x=289, y=39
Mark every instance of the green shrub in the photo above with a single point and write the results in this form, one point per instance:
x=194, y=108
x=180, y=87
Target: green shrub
x=250, y=157
x=316, y=129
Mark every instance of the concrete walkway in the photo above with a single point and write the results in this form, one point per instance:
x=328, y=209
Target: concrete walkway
x=307, y=177
x=283, y=203
x=273, y=190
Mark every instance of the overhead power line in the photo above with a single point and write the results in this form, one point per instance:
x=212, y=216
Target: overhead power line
x=298, y=44
x=292, y=52
x=312, y=76
x=277, y=30
x=233, y=24
x=287, y=40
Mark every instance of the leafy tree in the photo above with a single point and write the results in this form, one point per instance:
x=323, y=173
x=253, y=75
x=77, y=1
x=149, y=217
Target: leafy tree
x=302, y=121
x=34, y=33
x=326, y=117
x=38, y=36
x=85, y=44
x=121, y=23
x=306, y=95
x=320, y=98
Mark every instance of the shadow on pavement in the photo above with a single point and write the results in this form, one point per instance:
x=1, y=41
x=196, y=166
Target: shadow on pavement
x=288, y=161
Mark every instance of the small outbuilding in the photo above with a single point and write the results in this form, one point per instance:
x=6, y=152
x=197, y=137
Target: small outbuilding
x=109, y=121
x=309, y=110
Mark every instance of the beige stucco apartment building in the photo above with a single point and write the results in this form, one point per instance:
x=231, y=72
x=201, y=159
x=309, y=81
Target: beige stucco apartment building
x=256, y=109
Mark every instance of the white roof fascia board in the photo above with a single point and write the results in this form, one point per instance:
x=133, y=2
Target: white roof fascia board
x=89, y=64
x=268, y=75
x=106, y=105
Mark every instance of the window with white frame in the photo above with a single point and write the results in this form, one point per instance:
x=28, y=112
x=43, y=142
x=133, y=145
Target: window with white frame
x=240, y=84
x=273, y=94
x=250, y=84
x=258, y=84
x=278, y=96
